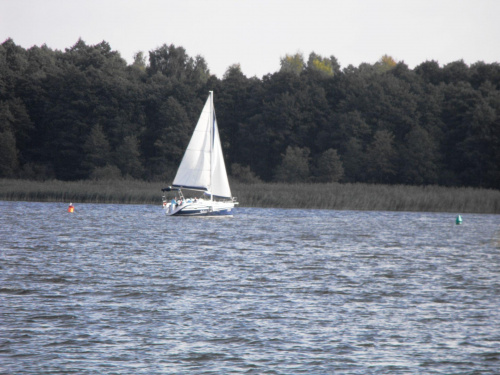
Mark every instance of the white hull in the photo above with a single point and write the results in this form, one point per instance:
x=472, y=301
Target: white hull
x=201, y=207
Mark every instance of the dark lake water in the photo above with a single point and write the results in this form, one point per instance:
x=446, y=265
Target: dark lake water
x=122, y=289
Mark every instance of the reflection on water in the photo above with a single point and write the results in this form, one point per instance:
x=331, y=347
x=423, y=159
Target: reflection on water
x=124, y=289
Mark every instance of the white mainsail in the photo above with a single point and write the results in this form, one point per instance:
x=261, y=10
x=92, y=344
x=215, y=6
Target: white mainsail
x=202, y=166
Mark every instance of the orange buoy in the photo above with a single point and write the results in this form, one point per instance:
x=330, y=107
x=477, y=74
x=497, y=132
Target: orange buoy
x=71, y=208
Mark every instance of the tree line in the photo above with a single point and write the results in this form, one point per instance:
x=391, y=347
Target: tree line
x=85, y=113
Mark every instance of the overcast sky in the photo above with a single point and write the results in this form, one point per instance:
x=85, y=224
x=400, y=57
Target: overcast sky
x=257, y=33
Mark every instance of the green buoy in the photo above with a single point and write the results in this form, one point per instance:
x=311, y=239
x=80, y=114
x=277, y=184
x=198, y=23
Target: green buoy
x=459, y=220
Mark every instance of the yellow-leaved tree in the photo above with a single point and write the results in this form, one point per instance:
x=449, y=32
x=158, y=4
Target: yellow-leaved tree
x=292, y=63
x=385, y=63
x=327, y=67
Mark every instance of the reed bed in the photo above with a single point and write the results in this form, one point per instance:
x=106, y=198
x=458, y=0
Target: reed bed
x=88, y=191
x=277, y=195
x=368, y=197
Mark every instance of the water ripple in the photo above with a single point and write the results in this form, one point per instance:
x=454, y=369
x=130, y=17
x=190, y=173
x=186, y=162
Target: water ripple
x=124, y=290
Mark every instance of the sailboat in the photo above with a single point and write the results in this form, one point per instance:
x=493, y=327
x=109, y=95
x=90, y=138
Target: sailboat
x=202, y=170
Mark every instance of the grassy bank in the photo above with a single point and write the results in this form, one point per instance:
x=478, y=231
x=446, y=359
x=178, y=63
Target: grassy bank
x=371, y=197
x=120, y=191
x=324, y=196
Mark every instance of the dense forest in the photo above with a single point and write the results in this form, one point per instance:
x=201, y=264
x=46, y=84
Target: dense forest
x=85, y=113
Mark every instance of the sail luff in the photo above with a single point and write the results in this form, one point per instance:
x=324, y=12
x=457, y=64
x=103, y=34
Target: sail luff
x=212, y=133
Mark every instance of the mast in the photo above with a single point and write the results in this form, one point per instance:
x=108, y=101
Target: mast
x=212, y=134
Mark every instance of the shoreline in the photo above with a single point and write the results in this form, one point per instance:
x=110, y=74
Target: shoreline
x=334, y=196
